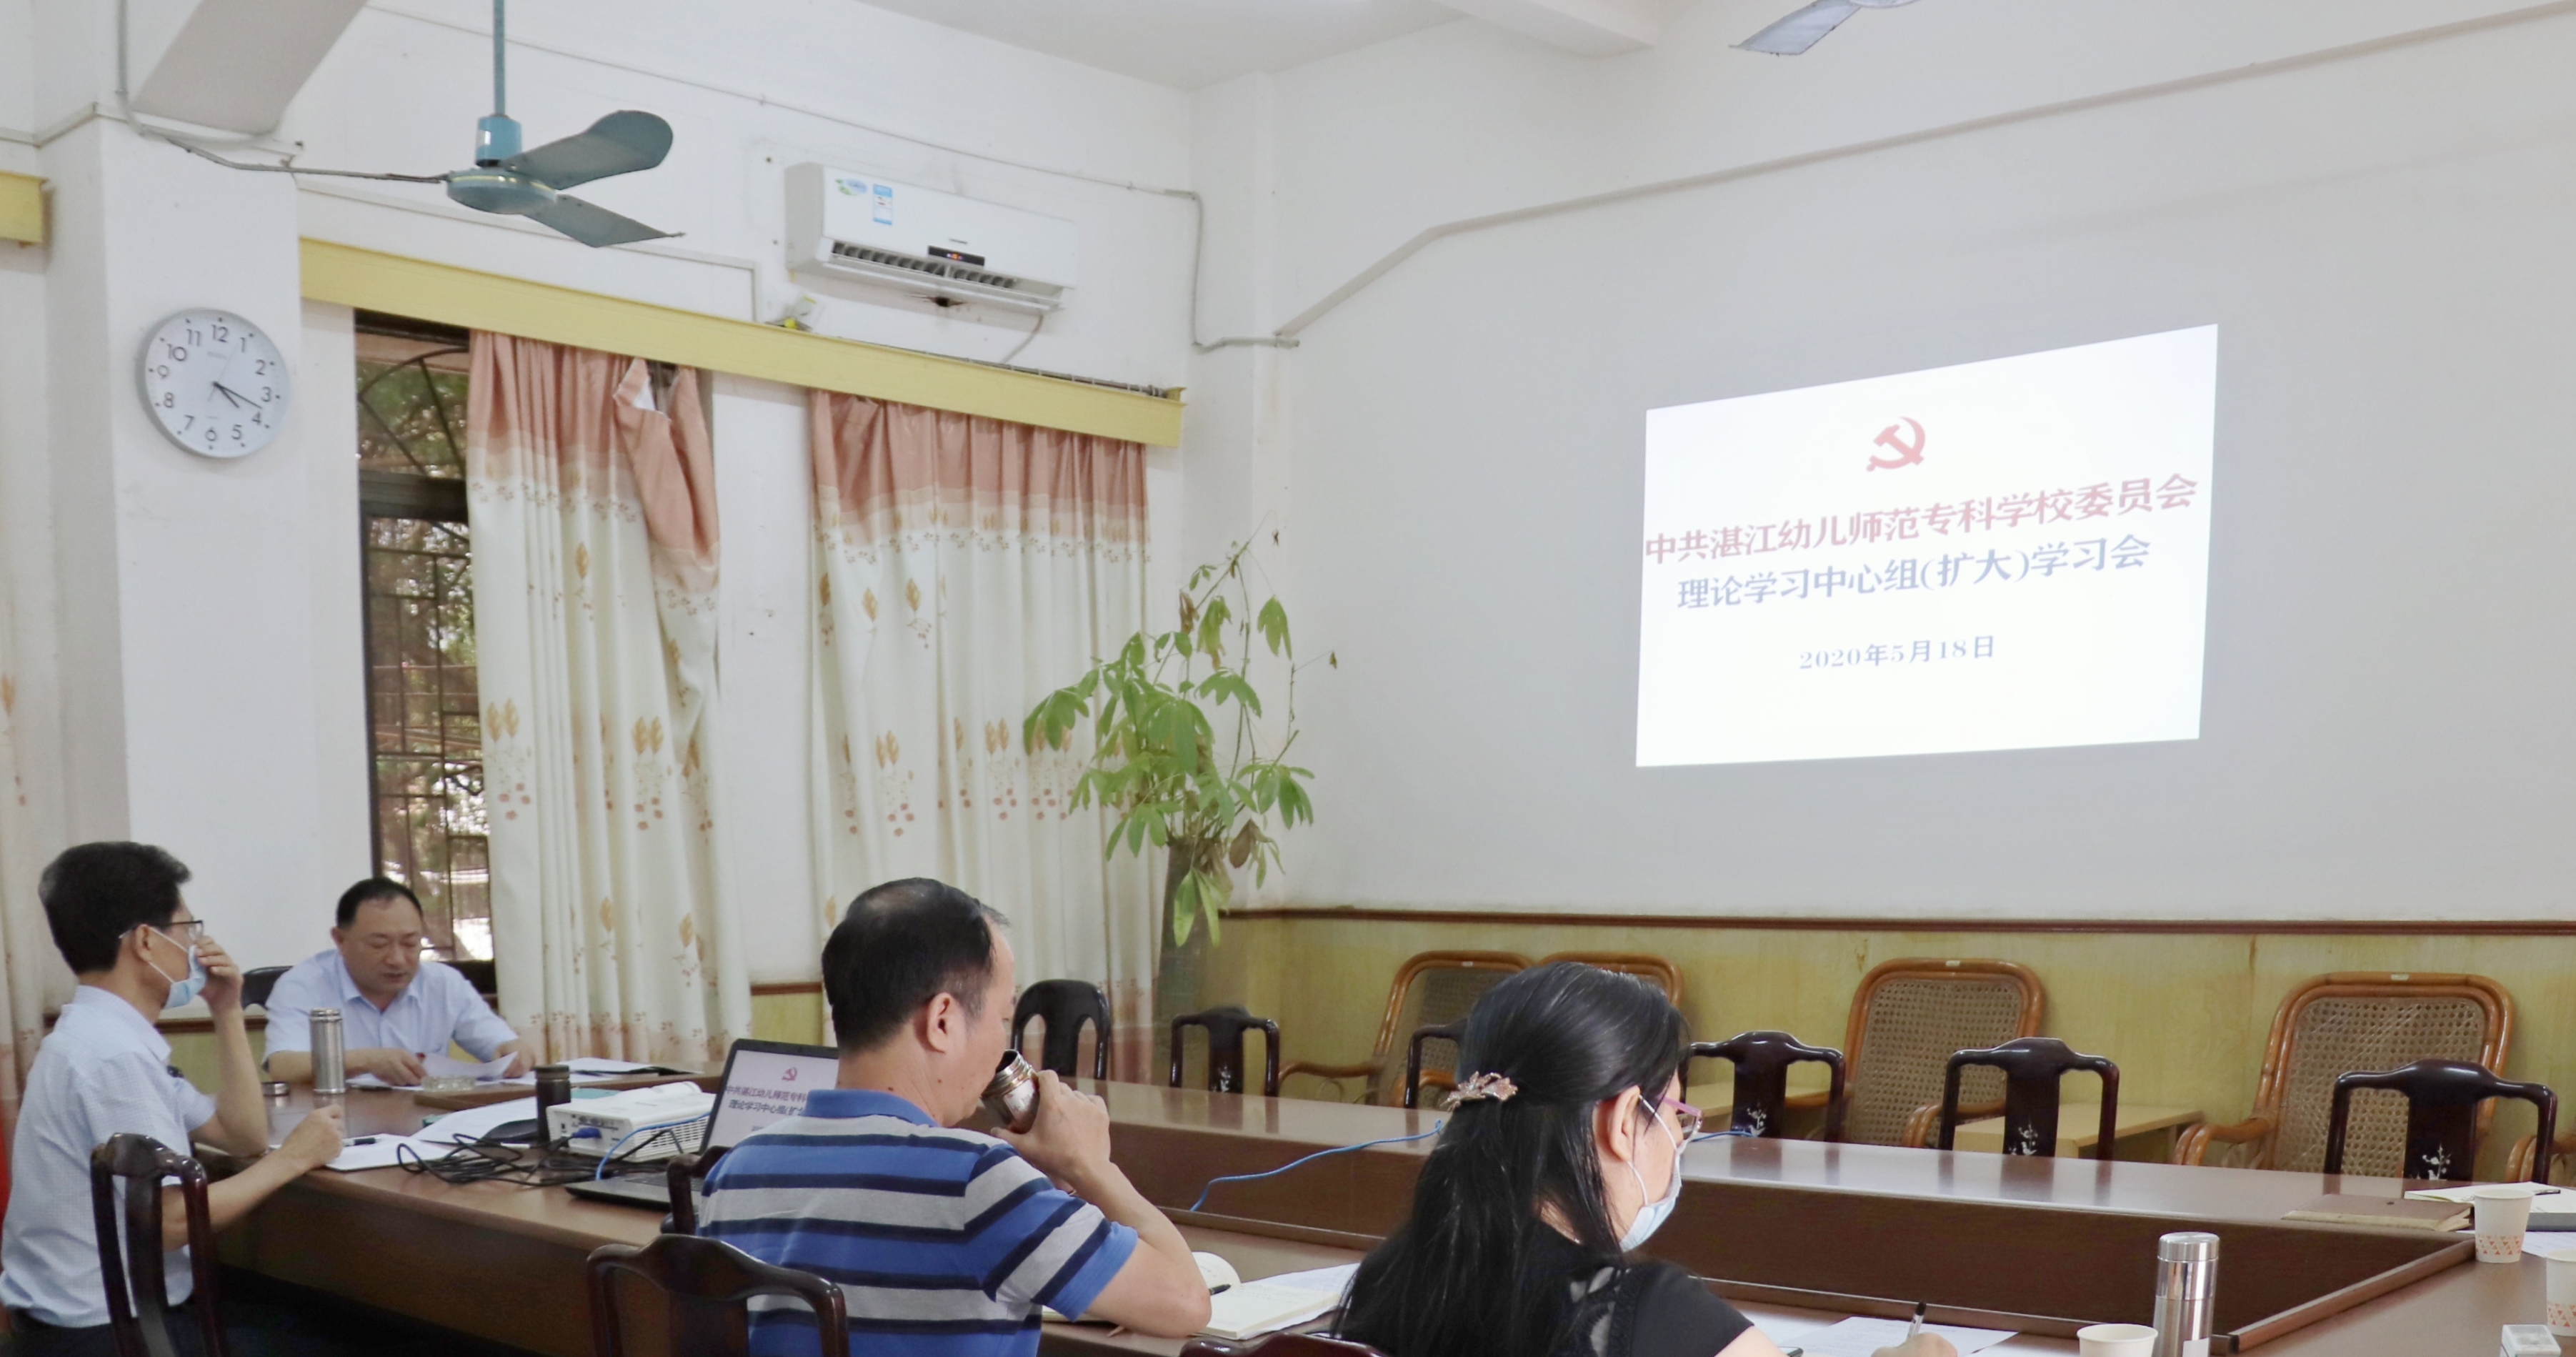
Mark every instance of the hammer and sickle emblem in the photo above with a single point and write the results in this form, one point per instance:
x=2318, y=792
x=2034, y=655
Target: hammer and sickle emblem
x=1907, y=454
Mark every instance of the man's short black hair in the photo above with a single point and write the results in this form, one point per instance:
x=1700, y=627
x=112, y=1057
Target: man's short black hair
x=96, y=893
x=369, y=891
x=902, y=945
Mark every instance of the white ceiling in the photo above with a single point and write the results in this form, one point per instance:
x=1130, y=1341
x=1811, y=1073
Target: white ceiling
x=1187, y=44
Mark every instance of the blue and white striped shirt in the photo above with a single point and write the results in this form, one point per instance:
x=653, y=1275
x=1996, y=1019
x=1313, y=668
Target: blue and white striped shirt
x=944, y=1242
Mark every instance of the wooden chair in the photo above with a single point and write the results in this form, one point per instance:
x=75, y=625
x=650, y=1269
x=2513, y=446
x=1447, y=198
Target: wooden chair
x=1654, y=970
x=1422, y=1037
x=1762, y=1061
x=1434, y=989
x=1280, y=1345
x=683, y=1174
x=258, y=982
x=2031, y=1067
x=708, y=1286
x=2333, y=1024
x=2442, y=1121
x=138, y=1315
x=1225, y=1028
x=1065, y=1005
x=1907, y=1018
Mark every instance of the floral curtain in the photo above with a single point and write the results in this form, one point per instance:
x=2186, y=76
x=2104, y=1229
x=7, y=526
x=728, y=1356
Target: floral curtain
x=31, y=971
x=969, y=567
x=594, y=520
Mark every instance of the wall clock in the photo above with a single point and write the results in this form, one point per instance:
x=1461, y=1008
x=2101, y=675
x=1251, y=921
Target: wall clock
x=214, y=383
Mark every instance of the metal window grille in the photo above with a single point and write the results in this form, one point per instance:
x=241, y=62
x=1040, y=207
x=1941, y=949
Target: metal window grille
x=425, y=764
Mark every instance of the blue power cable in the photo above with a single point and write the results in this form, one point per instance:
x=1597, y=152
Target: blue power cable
x=611, y=1157
x=1319, y=1154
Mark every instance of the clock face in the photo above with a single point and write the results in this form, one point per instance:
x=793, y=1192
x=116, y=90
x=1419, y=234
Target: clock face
x=215, y=383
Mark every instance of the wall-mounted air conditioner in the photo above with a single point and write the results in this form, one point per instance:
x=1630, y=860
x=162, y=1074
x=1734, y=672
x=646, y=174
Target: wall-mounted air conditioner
x=845, y=225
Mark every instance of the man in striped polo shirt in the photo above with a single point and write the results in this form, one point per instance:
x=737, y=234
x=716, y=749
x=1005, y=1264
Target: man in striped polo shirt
x=945, y=1242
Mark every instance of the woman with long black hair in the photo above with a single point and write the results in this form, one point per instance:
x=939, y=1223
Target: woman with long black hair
x=1562, y=1154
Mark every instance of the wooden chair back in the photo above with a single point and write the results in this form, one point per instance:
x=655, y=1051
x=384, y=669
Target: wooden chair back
x=1445, y=1036
x=1654, y=970
x=2334, y=1024
x=1279, y=1345
x=1225, y=1028
x=2031, y=1068
x=1433, y=989
x=138, y=1314
x=683, y=1174
x=258, y=983
x=709, y=1287
x=1762, y=1061
x=1065, y=1005
x=1907, y=1018
x=2442, y=1130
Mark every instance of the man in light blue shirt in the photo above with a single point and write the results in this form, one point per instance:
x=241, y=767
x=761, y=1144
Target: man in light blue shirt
x=118, y=919
x=393, y=1009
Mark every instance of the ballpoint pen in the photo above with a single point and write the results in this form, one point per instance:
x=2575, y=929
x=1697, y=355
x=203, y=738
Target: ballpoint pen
x=1915, y=1330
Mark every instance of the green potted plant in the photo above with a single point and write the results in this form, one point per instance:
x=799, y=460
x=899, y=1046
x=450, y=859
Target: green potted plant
x=1180, y=757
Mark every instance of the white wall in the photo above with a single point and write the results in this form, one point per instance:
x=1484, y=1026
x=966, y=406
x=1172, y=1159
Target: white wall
x=194, y=627
x=2380, y=237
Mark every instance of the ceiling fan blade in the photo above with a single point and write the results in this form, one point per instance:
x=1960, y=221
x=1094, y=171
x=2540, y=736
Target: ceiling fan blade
x=621, y=143
x=594, y=225
x=1799, y=31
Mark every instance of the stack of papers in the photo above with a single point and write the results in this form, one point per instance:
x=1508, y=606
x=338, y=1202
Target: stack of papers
x=382, y=1151
x=436, y=1066
x=474, y=1123
x=589, y=1067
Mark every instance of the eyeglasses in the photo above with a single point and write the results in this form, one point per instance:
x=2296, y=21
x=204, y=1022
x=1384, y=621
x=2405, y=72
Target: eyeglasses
x=1689, y=1116
x=185, y=932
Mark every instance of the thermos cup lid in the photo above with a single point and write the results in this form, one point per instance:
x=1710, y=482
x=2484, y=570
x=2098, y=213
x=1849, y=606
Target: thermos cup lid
x=2187, y=1246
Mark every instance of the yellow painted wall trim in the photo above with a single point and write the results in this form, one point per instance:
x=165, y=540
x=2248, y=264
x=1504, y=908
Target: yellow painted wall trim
x=22, y=208
x=349, y=276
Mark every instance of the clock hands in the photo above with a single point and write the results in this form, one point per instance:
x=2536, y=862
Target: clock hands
x=229, y=394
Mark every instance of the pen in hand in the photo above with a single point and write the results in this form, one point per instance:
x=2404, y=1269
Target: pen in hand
x=1916, y=1329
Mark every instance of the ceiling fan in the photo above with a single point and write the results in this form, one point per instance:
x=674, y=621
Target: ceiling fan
x=531, y=184
x=1800, y=30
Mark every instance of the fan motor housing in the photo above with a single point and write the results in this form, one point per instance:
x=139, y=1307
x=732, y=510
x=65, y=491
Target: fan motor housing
x=496, y=190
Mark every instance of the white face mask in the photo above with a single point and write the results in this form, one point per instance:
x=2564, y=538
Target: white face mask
x=1652, y=1215
x=183, y=988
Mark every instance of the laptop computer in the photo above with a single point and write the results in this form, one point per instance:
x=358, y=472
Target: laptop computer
x=764, y=1081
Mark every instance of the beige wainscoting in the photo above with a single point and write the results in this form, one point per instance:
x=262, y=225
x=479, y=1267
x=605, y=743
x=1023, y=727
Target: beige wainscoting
x=2184, y=1009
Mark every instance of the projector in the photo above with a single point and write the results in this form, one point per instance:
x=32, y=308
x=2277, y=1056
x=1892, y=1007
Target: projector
x=599, y=1125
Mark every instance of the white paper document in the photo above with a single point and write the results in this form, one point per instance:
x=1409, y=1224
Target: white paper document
x=2461, y=1195
x=589, y=1067
x=1264, y=1307
x=381, y=1151
x=437, y=1066
x=474, y=1123
x=1857, y=1337
x=1334, y=1279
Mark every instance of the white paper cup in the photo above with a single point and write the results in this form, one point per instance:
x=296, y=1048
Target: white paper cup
x=2502, y=1213
x=2562, y=1292
x=2114, y=1340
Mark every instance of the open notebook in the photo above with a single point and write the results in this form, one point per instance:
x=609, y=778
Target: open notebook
x=1249, y=1309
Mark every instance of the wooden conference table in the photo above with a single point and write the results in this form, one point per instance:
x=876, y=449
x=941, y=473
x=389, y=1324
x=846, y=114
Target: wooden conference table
x=1797, y=1233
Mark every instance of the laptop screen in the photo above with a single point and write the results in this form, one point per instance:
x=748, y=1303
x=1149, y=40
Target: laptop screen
x=766, y=1081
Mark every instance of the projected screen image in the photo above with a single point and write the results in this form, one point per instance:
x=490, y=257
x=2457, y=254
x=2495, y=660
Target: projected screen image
x=2010, y=554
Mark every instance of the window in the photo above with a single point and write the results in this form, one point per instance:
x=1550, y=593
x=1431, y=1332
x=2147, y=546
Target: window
x=425, y=759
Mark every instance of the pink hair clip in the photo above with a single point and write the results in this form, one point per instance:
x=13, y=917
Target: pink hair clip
x=1488, y=1085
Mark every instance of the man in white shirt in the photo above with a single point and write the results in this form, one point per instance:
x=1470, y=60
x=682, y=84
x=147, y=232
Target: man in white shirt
x=393, y=1009
x=118, y=919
